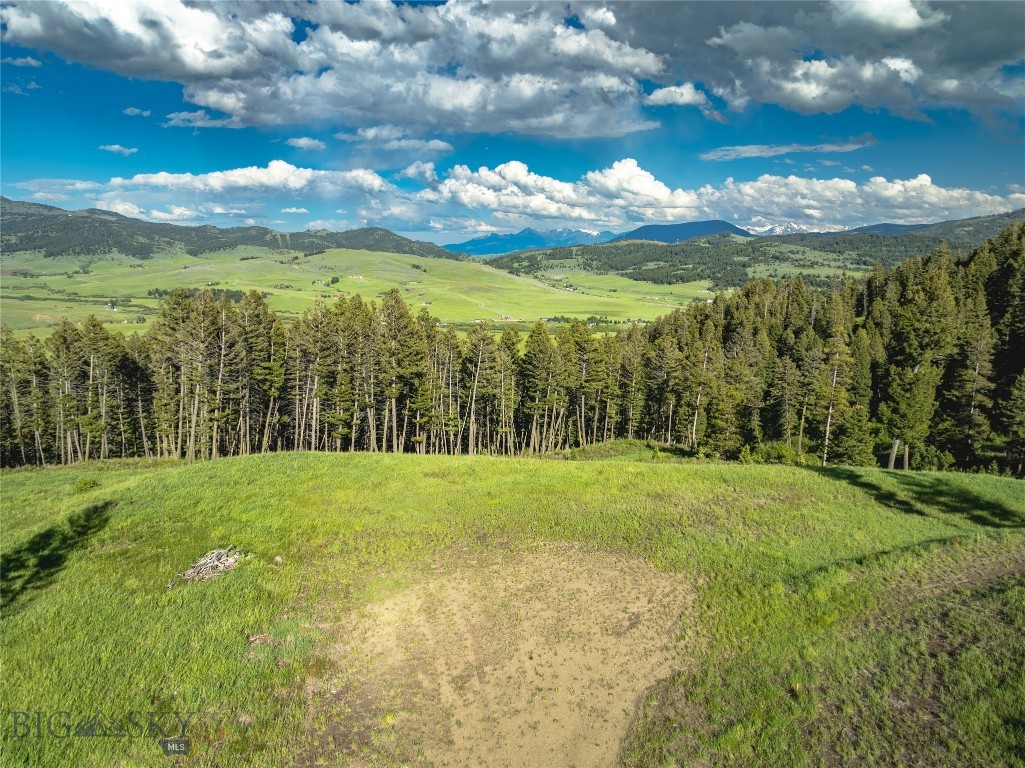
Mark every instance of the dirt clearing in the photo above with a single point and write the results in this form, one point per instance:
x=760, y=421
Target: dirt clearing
x=535, y=658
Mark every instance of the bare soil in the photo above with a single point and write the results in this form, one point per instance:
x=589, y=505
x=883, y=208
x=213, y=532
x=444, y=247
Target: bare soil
x=535, y=658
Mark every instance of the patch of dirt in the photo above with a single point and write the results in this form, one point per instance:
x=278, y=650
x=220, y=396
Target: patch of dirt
x=973, y=574
x=535, y=658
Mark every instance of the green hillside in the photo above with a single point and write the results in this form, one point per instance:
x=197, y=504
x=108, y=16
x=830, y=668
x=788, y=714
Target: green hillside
x=387, y=608
x=729, y=261
x=36, y=291
x=56, y=232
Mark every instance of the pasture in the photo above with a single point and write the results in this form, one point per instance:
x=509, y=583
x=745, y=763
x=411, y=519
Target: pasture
x=631, y=609
x=35, y=292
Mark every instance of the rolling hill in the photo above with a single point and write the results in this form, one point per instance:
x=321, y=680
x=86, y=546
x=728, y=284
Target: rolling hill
x=391, y=609
x=56, y=232
x=37, y=291
x=729, y=261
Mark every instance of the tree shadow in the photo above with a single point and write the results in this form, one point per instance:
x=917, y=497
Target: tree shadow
x=928, y=495
x=31, y=567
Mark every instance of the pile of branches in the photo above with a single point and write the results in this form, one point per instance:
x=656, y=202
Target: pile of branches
x=213, y=563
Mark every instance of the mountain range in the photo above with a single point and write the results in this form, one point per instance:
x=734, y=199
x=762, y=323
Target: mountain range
x=495, y=243
x=28, y=226
x=790, y=228
x=677, y=233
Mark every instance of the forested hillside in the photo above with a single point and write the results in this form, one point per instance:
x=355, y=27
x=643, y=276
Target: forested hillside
x=919, y=365
x=729, y=261
x=56, y=232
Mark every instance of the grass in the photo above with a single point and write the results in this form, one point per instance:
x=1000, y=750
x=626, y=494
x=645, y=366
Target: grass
x=37, y=292
x=845, y=615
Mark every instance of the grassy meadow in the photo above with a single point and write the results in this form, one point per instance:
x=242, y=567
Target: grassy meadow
x=35, y=292
x=822, y=616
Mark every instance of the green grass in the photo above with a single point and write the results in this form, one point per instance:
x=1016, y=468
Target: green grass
x=454, y=292
x=819, y=592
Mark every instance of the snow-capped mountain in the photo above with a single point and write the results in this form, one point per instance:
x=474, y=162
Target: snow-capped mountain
x=790, y=228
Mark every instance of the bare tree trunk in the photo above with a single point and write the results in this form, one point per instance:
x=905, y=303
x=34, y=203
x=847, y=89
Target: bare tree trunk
x=893, y=453
x=829, y=418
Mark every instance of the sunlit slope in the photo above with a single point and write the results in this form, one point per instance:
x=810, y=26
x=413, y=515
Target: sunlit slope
x=796, y=579
x=37, y=291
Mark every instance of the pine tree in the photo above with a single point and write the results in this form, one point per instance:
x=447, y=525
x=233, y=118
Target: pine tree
x=1013, y=416
x=723, y=437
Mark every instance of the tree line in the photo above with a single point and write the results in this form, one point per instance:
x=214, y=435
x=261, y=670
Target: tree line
x=920, y=366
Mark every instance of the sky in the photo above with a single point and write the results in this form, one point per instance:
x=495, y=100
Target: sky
x=448, y=121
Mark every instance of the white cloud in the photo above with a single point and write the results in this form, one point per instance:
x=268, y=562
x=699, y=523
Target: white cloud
x=905, y=68
x=421, y=171
x=224, y=210
x=893, y=15
x=306, y=143
x=511, y=194
x=418, y=145
x=593, y=16
x=510, y=67
x=26, y=61
x=333, y=225
x=679, y=95
x=278, y=175
x=50, y=197
x=123, y=207
x=475, y=68
x=135, y=112
x=772, y=150
x=625, y=193
x=198, y=119
x=174, y=213
x=685, y=95
x=391, y=138
x=117, y=149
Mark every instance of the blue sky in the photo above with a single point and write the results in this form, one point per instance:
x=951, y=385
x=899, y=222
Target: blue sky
x=443, y=122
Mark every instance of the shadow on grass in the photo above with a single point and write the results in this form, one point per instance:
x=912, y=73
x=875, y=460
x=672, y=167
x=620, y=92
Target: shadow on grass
x=32, y=567
x=924, y=494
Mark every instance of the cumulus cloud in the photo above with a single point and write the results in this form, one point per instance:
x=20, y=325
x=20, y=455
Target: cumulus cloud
x=511, y=194
x=893, y=15
x=306, y=143
x=573, y=70
x=135, y=112
x=469, y=67
x=277, y=176
x=421, y=171
x=626, y=193
x=123, y=207
x=26, y=61
x=744, y=151
x=174, y=213
x=392, y=138
x=683, y=96
x=117, y=149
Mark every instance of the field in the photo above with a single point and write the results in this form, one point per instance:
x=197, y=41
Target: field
x=629, y=608
x=37, y=291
